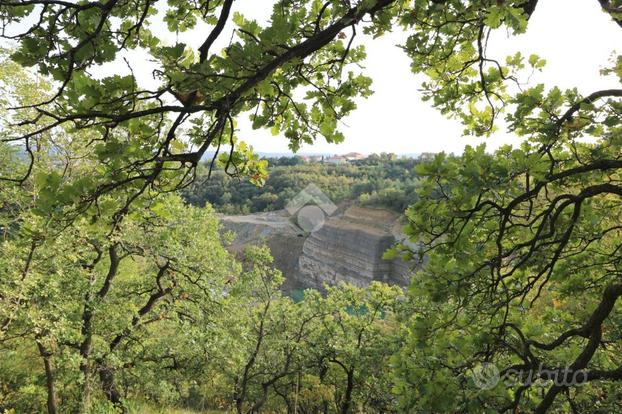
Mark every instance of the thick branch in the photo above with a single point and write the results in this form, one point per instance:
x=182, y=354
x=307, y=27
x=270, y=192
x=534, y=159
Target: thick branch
x=220, y=25
x=612, y=11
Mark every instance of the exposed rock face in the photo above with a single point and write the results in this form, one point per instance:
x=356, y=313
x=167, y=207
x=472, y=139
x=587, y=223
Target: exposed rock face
x=348, y=247
x=278, y=231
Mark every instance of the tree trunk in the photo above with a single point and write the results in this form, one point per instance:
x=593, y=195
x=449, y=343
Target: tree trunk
x=323, y=371
x=347, y=398
x=87, y=322
x=85, y=352
x=49, y=378
x=85, y=402
x=106, y=376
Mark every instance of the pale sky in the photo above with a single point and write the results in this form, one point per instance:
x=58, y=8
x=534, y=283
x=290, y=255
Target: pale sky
x=575, y=37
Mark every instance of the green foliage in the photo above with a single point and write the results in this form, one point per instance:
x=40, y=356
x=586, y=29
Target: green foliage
x=112, y=302
x=296, y=75
x=377, y=181
x=317, y=353
x=152, y=308
x=522, y=249
x=113, y=291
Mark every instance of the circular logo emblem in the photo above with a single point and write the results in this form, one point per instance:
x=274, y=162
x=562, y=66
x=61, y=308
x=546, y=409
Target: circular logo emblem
x=310, y=218
x=486, y=376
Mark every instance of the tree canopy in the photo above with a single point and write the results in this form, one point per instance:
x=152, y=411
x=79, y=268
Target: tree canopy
x=295, y=74
x=372, y=182
x=120, y=291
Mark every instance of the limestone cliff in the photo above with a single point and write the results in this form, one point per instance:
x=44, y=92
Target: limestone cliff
x=347, y=247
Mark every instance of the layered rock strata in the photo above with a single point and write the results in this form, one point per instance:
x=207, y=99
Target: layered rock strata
x=349, y=247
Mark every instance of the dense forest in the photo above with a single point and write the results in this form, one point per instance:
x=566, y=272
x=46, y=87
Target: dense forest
x=117, y=295
x=377, y=181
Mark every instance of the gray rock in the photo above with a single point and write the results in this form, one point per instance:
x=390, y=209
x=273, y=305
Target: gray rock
x=347, y=248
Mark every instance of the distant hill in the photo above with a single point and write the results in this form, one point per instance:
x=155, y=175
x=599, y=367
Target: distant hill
x=271, y=155
x=376, y=181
